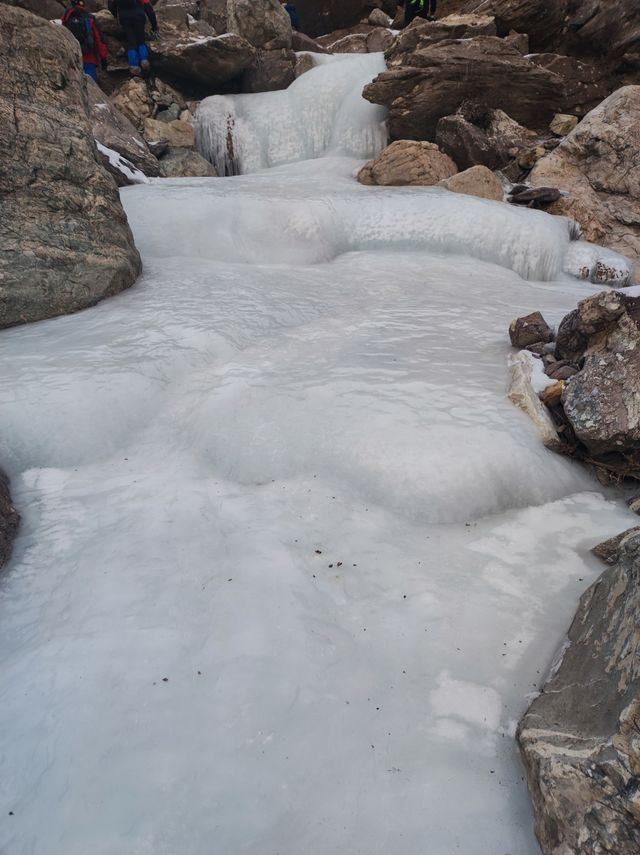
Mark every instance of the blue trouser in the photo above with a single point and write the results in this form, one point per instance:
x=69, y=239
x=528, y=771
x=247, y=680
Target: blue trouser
x=133, y=23
x=137, y=55
x=91, y=69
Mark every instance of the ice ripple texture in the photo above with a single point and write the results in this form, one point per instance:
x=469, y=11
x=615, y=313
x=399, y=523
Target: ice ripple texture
x=290, y=564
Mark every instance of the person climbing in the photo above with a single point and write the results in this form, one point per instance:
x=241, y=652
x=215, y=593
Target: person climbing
x=418, y=8
x=293, y=14
x=132, y=16
x=84, y=27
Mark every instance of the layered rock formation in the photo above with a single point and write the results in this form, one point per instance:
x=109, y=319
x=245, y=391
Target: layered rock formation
x=64, y=238
x=408, y=163
x=580, y=739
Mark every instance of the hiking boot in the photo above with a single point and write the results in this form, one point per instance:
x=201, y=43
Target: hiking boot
x=145, y=65
x=134, y=70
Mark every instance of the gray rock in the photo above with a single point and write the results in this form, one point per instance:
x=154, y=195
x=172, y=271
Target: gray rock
x=9, y=520
x=65, y=242
x=48, y=9
x=602, y=402
x=263, y=23
x=270, y=70
x=115, y=131
x=580, y=739
x=185, y=163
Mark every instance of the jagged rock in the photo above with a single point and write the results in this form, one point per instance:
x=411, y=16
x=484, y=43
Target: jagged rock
x=580, y=738
x=379, y=40
x=133, y=100
x=476, y=181
x=602, y=402
x=260, y=22
x=300, y=42
x=598, y=165
x=529, y=330
x=493, y=145
x=64, y=238
x=378, y=18
x=609, y=550
x=605, y=29
x=562, y=124
x=421, y=34
x=270, y=70
x=214, y=13
x=178, y=134
x=185, y=163
x=406, y=162
x=170, y=114
x=9, y=520
x=584, y=84
x=543, y=22
x=116, y=132
x=418, y=95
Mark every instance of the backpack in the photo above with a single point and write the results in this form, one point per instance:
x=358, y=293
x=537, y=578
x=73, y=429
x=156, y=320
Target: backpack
x=80, y=27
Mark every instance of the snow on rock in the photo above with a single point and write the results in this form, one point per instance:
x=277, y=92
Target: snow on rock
x=123, y=170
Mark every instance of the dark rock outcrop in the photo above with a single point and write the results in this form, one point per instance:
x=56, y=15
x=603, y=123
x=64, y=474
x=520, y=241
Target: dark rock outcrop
x=493, y=142
x=64, y=238
x=530, y=329
x=270, y=70
x=580, y=739
x=433, y=82
x=9, y=520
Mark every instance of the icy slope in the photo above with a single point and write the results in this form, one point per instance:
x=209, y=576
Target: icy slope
x=291, y=563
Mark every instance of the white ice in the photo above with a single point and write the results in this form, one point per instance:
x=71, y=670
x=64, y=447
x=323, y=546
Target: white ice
x=130, y=172
x=291, y=564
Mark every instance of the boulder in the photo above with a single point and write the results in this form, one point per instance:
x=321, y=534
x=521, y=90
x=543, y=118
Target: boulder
x=585, y=84
x=476, y=181
x=378, y=18
x=185, y=163
x=270, y=70
x=379, y=40
x=261, y=22
x=406, y=162
x=133, y=100
x=493, y=144
x=438, y=81
x=353, y=43
x=602, y=402
x=610, y=29
x=579, y=739
x=318, y=17
x=529, y=330
x=177, y=133
x=301, y=42
x=598, y=165
x=114, y=131
x=65, y=242
x=214, y=13
x=9, y=520
x=49, y=9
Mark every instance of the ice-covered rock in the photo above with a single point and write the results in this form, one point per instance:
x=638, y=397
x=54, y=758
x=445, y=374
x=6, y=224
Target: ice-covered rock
x=64, y=237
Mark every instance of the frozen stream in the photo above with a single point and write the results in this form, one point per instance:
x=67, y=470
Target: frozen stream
x=291, y=563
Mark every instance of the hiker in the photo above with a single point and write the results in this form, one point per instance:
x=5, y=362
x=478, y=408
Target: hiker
x=84, y=27
x=293, y=14
x=418, y=8
x=132, y=16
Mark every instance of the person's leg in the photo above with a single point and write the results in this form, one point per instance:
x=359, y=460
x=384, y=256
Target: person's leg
x=129, y=31
x=409, y=12
x=141, y=44
x=91, y=70
x=433, y=5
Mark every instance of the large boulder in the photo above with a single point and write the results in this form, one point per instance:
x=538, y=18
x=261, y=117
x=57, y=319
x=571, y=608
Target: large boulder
x=422, y=33
x=598, y=165
x=406, y=162
x=318, y=17
x=263, y=23
x=114, y=131
x=605, y=29
x=270, y=70
x=580, y=738
x=49, y=9
x=185, y=163
x=602, y=401
x=542, y=21
x=9, y=520
x=585, y=84
x=493, y=142
x=65, y=242
x=433, y=82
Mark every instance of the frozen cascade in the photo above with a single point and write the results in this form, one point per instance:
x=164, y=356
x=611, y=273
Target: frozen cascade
x=322, y=112
x=291, y=563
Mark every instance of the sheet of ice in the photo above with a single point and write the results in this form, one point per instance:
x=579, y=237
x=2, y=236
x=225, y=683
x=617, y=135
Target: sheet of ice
x=321, y=112
x=291, y=563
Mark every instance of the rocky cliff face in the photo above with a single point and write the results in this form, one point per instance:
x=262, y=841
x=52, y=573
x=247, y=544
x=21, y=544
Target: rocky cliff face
x=580, y=739
x=64, y=238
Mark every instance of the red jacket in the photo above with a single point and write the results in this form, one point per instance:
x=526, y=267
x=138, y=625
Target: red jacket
x=99, y=50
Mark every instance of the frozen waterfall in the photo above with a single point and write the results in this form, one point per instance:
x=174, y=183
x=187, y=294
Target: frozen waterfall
x=321, y=113
x=291, y=564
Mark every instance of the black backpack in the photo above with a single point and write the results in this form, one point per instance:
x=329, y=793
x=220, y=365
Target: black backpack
x=80, y=25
